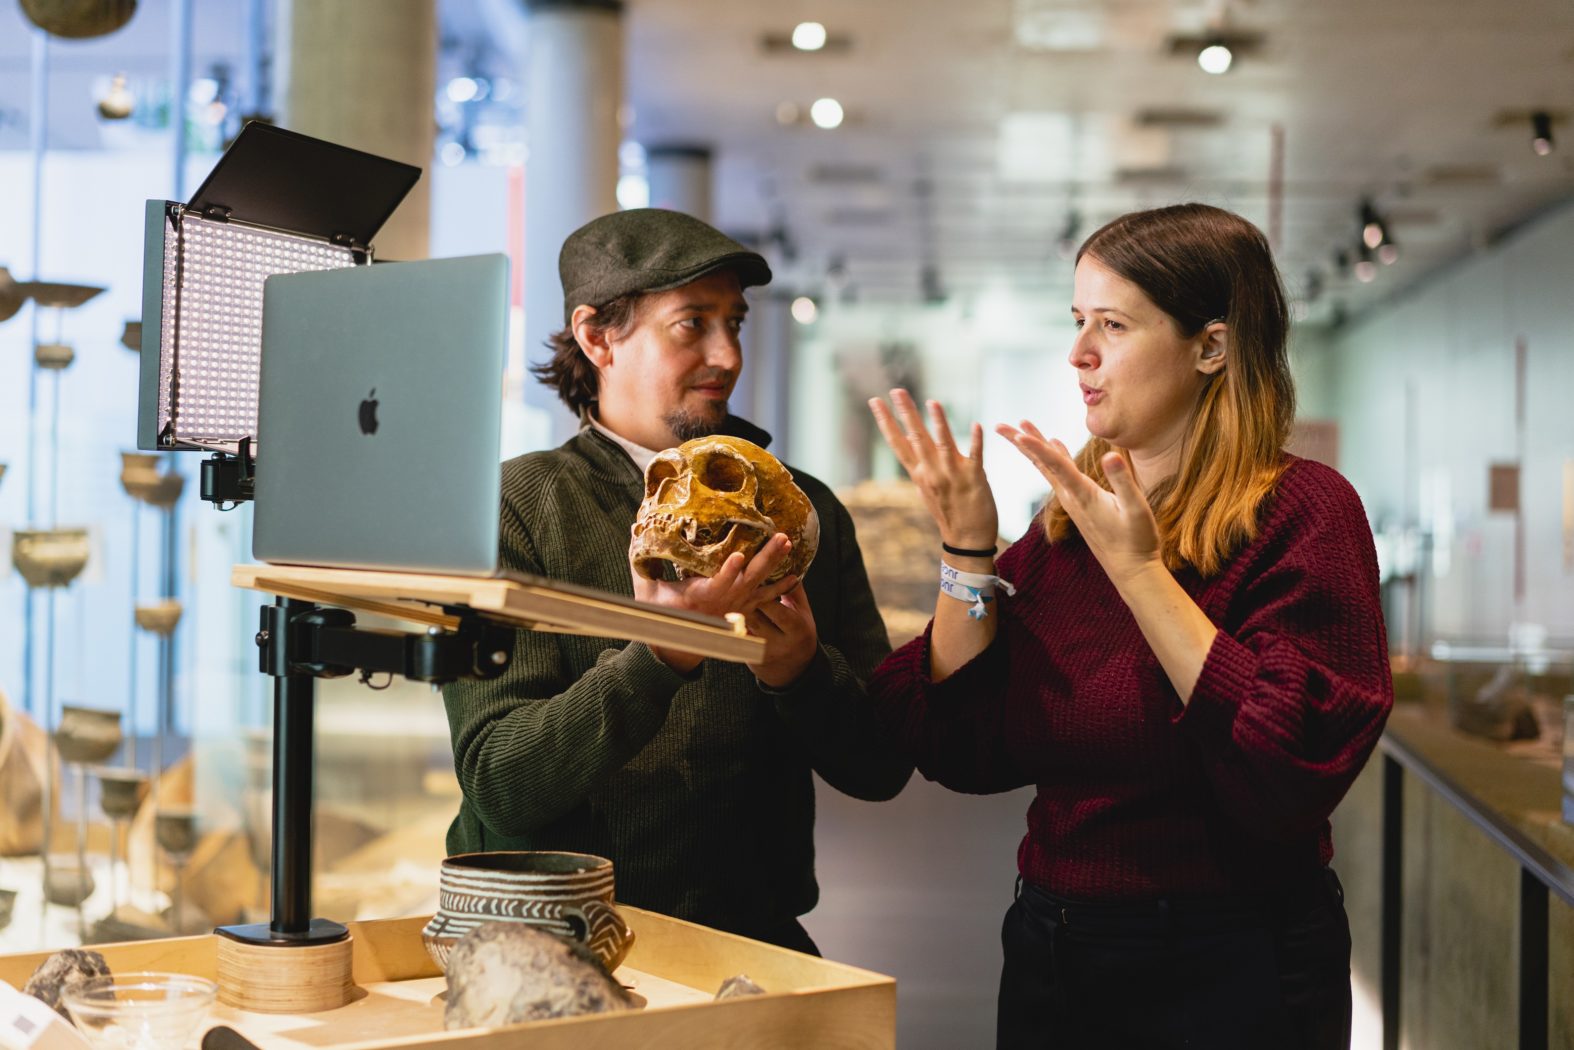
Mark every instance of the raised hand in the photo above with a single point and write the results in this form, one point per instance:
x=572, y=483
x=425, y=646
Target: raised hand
x=952, y=484
x=1118, y=526
x=739, y=586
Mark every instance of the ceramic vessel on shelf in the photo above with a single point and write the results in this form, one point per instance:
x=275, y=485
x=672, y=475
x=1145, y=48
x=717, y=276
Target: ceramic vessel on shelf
x=67, y=882
x=131, y=336
x=569, y=894
x=87, y=734
x=176, y=830
x=139, y=474
x=159, y=617
x=120, y=790
x=169, y=488
x=49, y=557
x=53, y=356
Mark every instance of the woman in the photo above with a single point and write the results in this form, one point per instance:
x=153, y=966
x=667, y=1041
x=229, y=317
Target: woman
x=1185, y=655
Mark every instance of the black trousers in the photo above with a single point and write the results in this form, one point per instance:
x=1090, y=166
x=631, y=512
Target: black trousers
x=1216, y=974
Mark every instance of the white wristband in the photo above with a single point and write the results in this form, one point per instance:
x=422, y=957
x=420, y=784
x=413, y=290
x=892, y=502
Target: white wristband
x=977, y=589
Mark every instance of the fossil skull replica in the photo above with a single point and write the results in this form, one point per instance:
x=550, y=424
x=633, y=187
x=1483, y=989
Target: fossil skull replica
x=715, y=495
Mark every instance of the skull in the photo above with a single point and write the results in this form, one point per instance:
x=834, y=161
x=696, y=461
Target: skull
x=715, y=495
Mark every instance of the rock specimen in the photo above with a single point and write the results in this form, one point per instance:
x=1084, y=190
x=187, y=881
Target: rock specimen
x=504, y=973
x=738, y=984
x=63, y=970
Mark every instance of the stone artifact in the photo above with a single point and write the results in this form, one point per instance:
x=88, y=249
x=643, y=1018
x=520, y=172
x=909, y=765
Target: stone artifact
x=63, y=970
x=506, y=973
x=712, y=496
x=569, y=894
x=739, y=984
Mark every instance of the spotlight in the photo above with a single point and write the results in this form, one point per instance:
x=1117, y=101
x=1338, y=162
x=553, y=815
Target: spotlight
x=804, y=310
x=1373, y=232
x=1541, y=132
x=1388, y=252
x=808, y=36
x=826, y=113
x=1365, y=267
x=276, y=202
x=1216, y=58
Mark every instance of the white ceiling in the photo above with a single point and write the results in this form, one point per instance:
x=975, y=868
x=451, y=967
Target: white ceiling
x=968, y=141
x=1399, y=101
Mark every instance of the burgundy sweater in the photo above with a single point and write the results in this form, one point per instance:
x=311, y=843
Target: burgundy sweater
x=1138, y=796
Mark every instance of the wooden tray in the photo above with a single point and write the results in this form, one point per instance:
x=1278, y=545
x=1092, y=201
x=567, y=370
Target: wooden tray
x=674, y=966
x=531, y=602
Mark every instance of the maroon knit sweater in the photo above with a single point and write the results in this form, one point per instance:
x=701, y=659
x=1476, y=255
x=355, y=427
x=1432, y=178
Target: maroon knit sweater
x=1139, y=797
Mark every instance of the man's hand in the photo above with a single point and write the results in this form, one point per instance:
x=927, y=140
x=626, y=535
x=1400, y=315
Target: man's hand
x=791, y=639
x=739, y=586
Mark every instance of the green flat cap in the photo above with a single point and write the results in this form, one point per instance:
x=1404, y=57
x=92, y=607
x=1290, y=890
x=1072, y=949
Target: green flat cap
x=647, y=250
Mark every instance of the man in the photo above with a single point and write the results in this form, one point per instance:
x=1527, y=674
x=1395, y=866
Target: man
x=692, y=775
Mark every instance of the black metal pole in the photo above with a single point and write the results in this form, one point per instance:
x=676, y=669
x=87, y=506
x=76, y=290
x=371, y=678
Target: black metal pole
x=1533, y=974
x=1393, y=894
x=294, y=696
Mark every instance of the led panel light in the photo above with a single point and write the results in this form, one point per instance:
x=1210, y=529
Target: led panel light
x=211, y=323
x=277, y=202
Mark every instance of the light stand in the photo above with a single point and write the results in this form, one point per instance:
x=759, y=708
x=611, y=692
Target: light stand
x=299, y=642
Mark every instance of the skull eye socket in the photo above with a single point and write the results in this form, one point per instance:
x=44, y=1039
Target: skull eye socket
x=724, y=473
x=661, y=471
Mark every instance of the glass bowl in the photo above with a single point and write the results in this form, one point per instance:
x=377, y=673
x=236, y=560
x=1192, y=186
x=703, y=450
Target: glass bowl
x=140, y=1011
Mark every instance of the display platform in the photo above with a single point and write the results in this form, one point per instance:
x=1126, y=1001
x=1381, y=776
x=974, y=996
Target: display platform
x=530, y=602
x=675, y=967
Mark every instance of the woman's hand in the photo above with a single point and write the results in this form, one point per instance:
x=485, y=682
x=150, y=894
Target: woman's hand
x=953, y=485
x=1118, y=526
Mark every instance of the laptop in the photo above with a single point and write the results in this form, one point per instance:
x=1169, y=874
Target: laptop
x=379, y=414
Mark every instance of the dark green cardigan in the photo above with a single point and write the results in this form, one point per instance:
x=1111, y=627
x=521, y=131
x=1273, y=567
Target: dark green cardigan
x=698, y=788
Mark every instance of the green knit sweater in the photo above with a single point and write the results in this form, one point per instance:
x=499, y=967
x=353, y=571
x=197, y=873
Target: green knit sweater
x=698, y=788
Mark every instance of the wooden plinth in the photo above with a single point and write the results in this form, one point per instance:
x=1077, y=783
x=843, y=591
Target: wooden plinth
x=294, y=979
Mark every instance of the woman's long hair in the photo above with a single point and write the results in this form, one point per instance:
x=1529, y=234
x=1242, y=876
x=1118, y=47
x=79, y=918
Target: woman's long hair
x=1199, y=264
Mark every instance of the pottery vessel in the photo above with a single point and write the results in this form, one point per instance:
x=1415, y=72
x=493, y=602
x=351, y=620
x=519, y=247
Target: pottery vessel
x=139, y=474
x=79, y=19
x=159, y=617
x=131, y=336
x=87, y=734
x=49, y=557
x=120, y=791
x=569, y=894
x=176, y=830
x=54, y=355
x=168, y=491
x=66, y=882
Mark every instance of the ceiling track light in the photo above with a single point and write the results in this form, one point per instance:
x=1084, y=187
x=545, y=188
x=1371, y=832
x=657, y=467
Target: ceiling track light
x=1215, y=57
x=1374, y=231
x=1541, y=132
x=1365, y=265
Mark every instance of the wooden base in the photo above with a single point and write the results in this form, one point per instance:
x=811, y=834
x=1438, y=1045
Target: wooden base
x=272, y=979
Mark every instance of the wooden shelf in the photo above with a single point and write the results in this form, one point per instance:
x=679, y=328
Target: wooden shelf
x=529, y=602
x=675, y=967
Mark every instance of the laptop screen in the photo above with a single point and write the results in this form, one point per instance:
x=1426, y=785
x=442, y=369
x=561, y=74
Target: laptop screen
x=379, y=411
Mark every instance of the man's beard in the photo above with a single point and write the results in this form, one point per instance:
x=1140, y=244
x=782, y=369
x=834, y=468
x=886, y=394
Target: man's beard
x=686, y=426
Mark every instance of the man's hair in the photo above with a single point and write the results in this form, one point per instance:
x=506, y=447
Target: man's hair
x=1200, y=264
x=568, y=370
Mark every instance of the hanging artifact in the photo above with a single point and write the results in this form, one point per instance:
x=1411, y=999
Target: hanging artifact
x=118, y=102
x=49, y=557
x=79, y=19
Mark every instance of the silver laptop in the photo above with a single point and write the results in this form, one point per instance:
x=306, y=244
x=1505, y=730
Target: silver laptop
x=379, y=413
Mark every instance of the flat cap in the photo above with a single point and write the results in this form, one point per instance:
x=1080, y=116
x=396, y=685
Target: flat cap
x=647, y=250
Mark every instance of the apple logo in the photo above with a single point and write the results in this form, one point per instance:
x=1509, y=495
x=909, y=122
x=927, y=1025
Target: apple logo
x=368, y=413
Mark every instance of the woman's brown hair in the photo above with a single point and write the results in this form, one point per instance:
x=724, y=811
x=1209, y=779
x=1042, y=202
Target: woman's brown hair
x=568, y=370
x=1200, y=264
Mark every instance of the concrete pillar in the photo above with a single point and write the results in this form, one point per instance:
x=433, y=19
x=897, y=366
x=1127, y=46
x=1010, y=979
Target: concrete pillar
x=574, y=92
x=363, y=73
x=680, y=178
x=767, y=365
